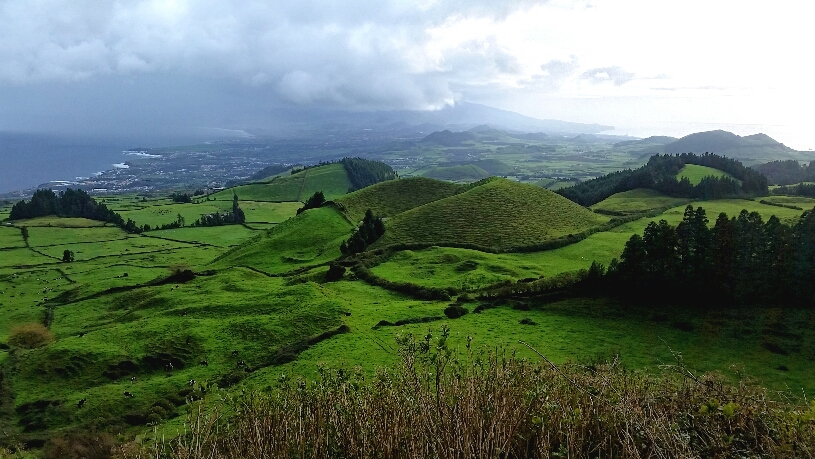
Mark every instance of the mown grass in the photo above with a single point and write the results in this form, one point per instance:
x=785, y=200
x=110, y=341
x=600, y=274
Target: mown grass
x=638, y=200
x=389, y=198
x=500, y=214
x=696, y=173
x=331, y=179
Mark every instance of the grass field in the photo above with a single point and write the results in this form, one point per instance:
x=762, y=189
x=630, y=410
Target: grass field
x=571, y=330
x=639, y=200
x=259, y=291
x=460, y=173
x=389, y=198
x=499, y=214
x=311, y=238
x=696, y=173
x=331, y=179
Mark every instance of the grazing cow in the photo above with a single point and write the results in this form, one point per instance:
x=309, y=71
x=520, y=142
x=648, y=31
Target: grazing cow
x=241, y=363
x=81, y=403
x=205, y=363
x=169, y=366
x=235, y=353
x=128, y=394
x=132, y=379
x=191, y=382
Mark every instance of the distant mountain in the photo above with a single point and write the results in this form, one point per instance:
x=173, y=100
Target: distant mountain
x=449, y=139
x=653, y=140
x=720, y=141
x=460, y=117
x=751, y=149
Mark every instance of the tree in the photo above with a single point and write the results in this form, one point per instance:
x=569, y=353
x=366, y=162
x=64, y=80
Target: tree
x=316, y=200
x=67, y=256
x=237, y=213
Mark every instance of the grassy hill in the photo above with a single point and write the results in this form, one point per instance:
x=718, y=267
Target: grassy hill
x=459, y=173
x=331, y=179
x=310, y=238
x=696, y=173
x=500, y=214
x=636, y=201
x=395, y=196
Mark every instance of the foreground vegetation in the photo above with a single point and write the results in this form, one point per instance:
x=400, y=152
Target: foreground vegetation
x=441, y=403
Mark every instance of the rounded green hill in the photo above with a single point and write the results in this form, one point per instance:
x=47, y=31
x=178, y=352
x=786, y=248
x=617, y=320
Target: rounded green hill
x=499, y=214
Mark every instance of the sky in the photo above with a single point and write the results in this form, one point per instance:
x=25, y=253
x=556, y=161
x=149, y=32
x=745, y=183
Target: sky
x=645, y=67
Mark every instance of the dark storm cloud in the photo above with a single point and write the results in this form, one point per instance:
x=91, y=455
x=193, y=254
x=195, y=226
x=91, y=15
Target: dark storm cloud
x=363, y=54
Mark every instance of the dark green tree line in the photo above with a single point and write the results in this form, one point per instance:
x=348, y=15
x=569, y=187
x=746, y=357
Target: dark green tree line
x=741, y=260
x=660, y=174
x=371, y=229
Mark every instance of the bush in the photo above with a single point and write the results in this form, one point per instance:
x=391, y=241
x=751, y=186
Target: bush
x=335, y=272
x=454, y=311
x=80, y=445
x=30, y=336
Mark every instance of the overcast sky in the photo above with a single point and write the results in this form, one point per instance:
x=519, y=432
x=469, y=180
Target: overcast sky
x=643, y=66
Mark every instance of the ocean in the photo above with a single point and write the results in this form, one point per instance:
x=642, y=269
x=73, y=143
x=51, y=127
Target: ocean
x=28, y=160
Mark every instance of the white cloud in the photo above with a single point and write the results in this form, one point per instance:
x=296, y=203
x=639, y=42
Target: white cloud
x=614, y=62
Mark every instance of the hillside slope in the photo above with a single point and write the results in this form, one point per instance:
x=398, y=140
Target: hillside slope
x=331, y=179
x=389, y=198
x=310, y=238
x=460, y=173
x=498, y=214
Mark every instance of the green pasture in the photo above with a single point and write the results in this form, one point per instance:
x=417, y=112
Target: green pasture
x=800, y=201
x=205, y=319
x=10, y=237
x=59, y=222
x=48, y=236
x=458, y=173
x=696, y=173
x=310, y=238
x=498, y=214
x=471, y=269
x=392, y=197
x=638, y=200
x=259, y=290
x=221, y=236
x=331, y=179
x=581, y=330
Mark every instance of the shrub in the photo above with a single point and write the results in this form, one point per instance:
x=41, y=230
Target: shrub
x=30, y=336
x=454, y=311
x=335, y=272
x=79, y=445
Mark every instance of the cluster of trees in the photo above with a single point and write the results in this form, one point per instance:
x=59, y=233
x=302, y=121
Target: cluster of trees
x=803, y=189
x=236, y=216
x=787, y=172
x=361, y=172
x=68, y=203
x=372, y=228
x=364, y=172
x=660, y=174
x=181, y=198
x=741, y=260
x=316, y=200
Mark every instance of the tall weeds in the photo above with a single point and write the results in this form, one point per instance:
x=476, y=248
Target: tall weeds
x=439, y=404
